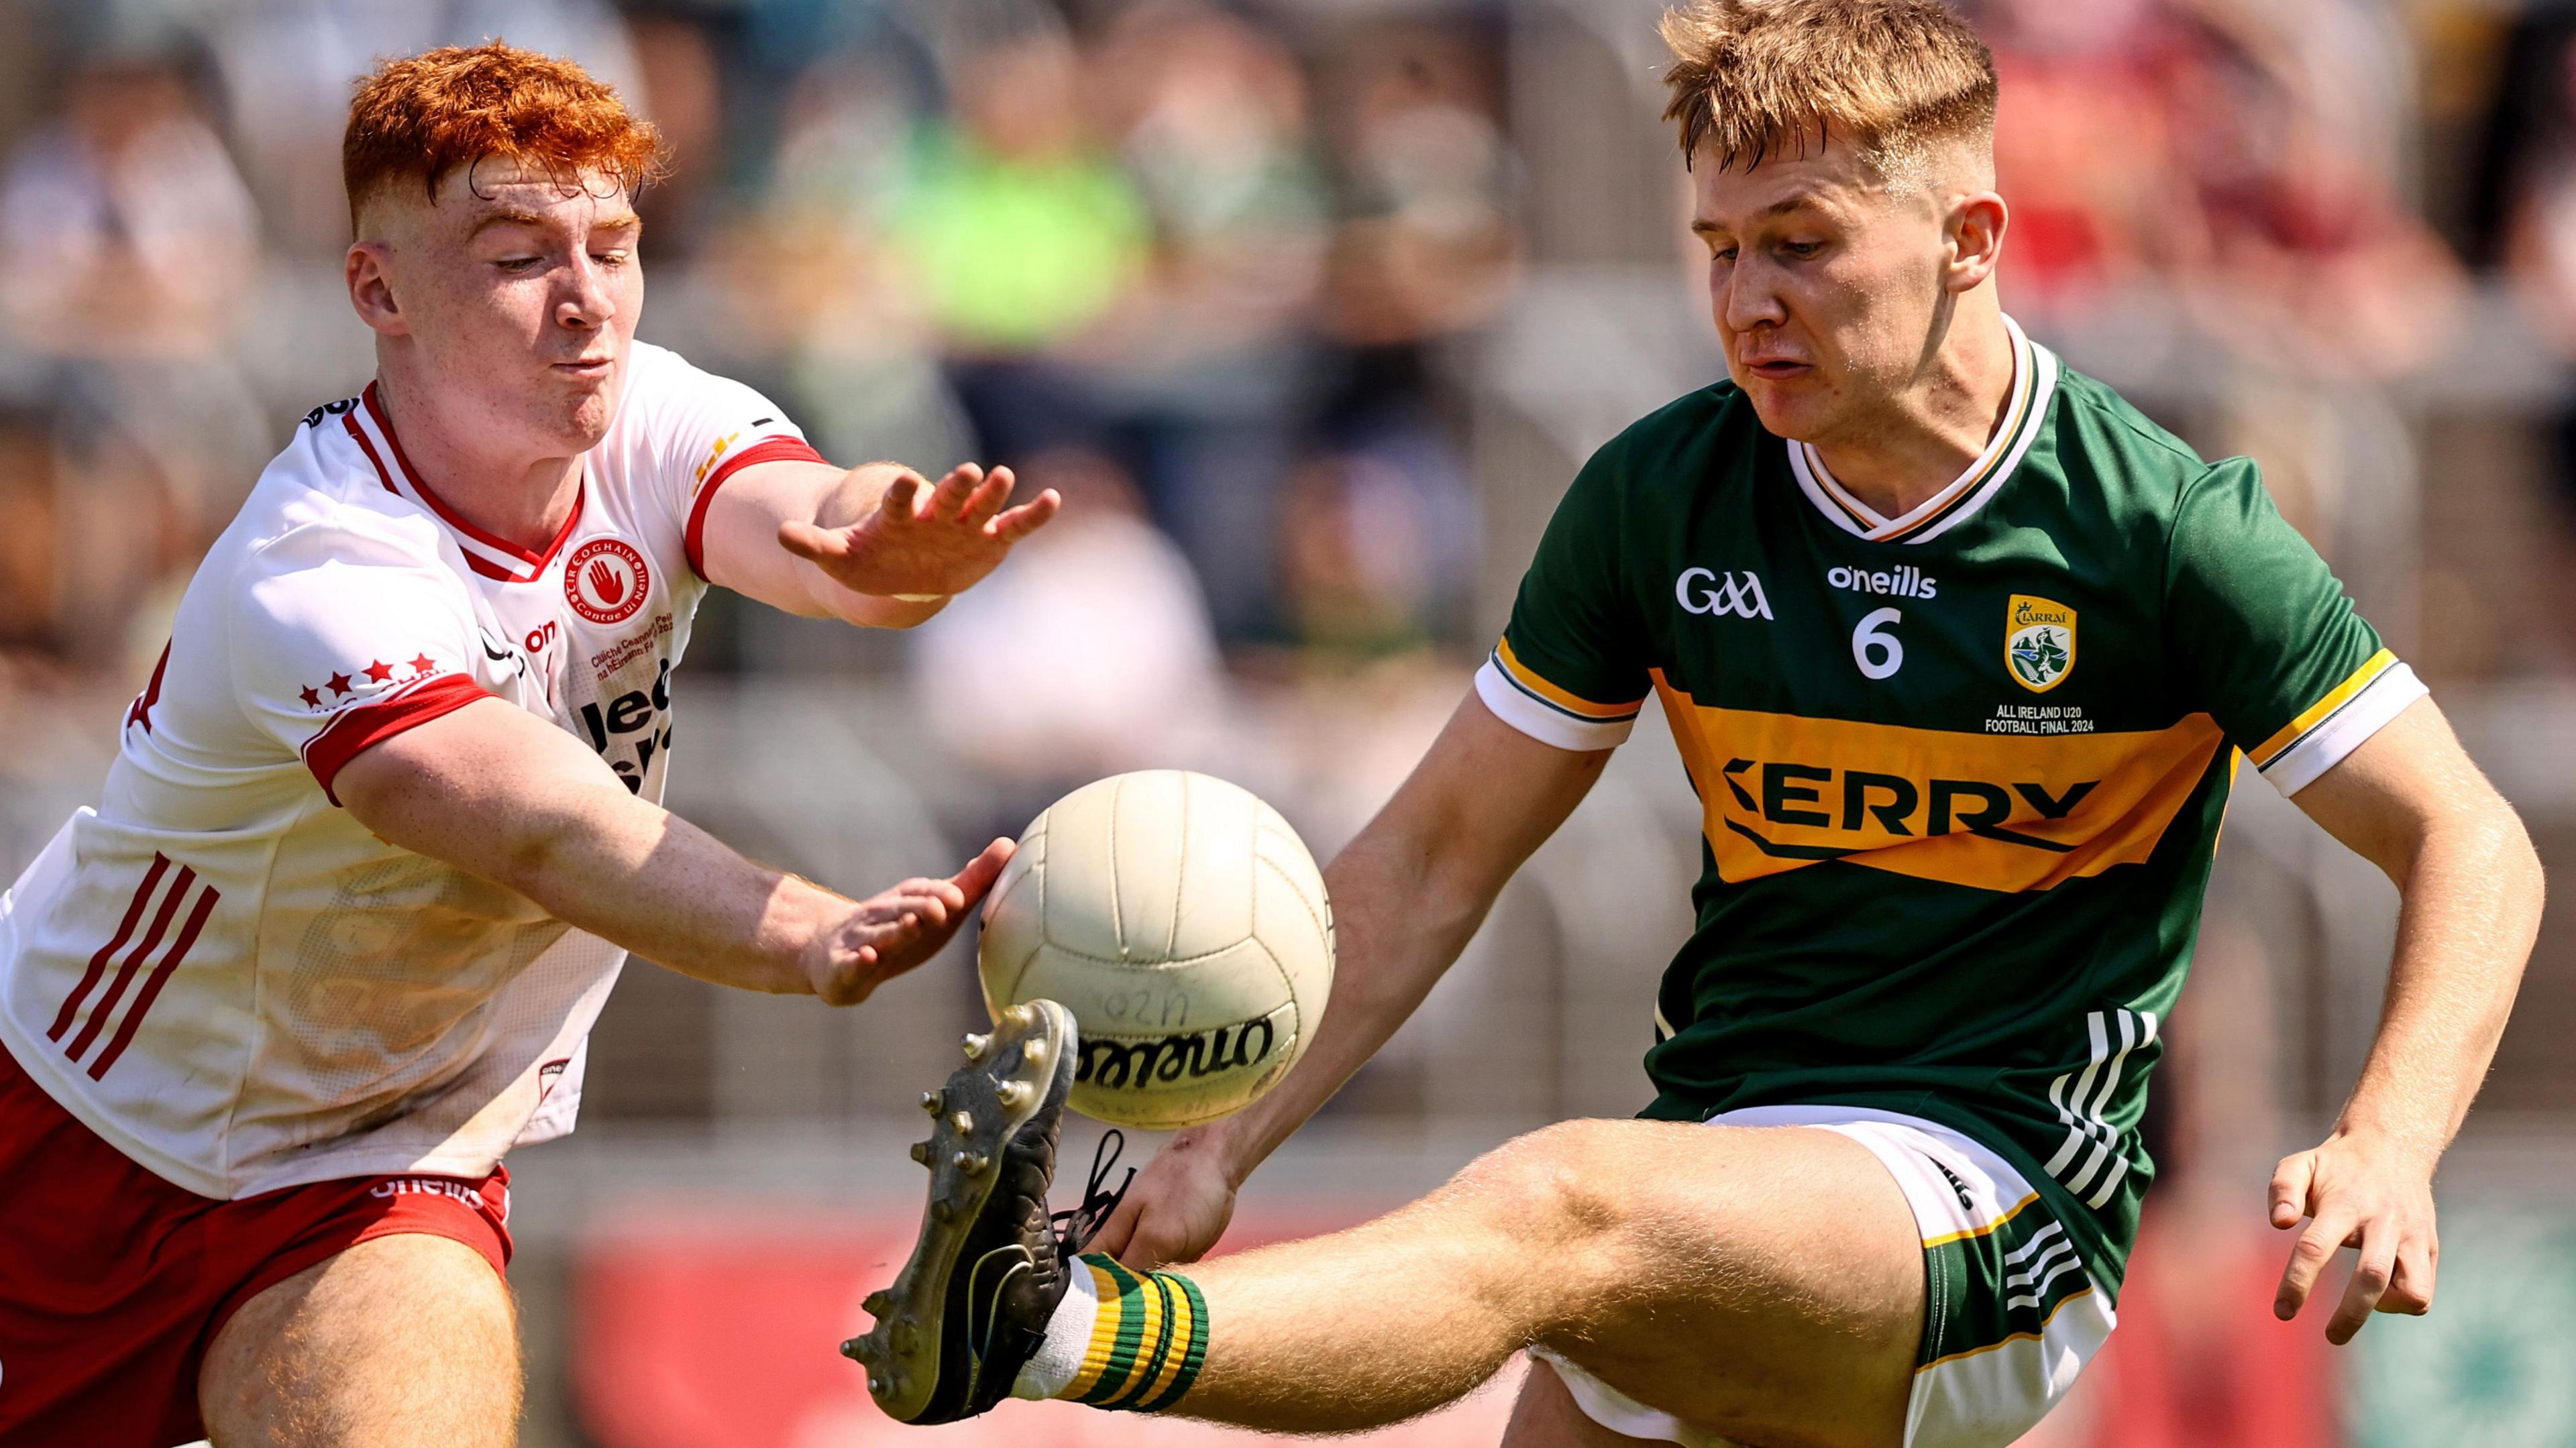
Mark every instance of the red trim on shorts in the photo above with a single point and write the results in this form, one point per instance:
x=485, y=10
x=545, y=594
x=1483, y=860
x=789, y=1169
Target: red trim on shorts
x=409, y=1210
x=780, y=449
x=117, y=1280
x=381, y=719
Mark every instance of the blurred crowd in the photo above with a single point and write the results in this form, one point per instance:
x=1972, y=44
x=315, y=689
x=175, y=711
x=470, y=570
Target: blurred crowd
x=1154, y=256
x=1216, y=270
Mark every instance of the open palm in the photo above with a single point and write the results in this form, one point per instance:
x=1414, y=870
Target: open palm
x=924, y=541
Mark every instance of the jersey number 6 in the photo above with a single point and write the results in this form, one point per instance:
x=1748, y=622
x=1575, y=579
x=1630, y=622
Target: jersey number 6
x=1878, y=653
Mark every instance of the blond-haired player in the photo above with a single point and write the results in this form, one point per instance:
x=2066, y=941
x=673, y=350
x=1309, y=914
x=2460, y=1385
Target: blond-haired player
x=384, y=824
x=1961, y=652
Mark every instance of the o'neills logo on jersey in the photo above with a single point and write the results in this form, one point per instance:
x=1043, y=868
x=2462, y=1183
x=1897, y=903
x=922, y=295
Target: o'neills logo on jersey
x=1905, y=582
x=1700, y=590
x=606, y=581
x=2039, y=642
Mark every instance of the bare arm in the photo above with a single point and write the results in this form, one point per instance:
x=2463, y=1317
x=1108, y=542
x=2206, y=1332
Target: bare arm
x=875, y=545
x=1407, y=895
x=2411, y=802
x=502, y=794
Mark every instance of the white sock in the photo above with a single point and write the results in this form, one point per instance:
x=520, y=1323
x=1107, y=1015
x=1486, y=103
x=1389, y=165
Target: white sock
x=1051, y=1368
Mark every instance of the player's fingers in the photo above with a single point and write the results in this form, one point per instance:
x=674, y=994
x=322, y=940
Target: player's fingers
x=902, y=497
x=947, y=892
x=2308, y=1257
x=1119, y=1232
x=1027, y=518
x=982, y=871
x=2410, y=1284
x=949, y=498
x=2290, y=1182
x=817, y=545
x=987, y=499
x=2368, y=1283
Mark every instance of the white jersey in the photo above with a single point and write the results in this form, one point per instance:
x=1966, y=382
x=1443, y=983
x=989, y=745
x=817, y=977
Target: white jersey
x=220, y=971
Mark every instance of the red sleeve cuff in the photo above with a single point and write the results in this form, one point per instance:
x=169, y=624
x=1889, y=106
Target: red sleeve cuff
x=767, y=450
x=379, y=720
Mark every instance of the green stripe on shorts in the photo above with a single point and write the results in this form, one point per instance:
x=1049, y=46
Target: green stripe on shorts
x=2005, y=1283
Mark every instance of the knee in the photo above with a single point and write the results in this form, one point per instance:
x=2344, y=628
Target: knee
x=1560, y=1188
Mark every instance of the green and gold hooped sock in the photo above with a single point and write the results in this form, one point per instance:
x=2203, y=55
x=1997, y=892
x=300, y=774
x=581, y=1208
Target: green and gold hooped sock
x=1147, y=1339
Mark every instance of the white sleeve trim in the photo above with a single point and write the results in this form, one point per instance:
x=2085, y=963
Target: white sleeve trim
x=2342, y=732
x=1543, y=721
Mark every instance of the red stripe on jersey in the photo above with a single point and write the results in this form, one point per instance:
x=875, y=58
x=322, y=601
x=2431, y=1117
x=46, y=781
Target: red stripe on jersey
x=767, y=450
x=385, y=476
x=535, y=561
x=141, y=713
x=152, y=988
x=125, y=972
x=473, y=559
x=116, y=942
x=381, y=719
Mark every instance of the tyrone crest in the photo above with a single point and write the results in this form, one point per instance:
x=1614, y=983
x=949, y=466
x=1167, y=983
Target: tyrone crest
x=605, y=581
x=2039, y=642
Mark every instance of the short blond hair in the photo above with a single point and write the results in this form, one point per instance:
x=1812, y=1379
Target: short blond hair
x=1890, y=77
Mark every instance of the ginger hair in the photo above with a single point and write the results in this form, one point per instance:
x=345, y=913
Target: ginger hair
x=1892, y=78
x=420, y=117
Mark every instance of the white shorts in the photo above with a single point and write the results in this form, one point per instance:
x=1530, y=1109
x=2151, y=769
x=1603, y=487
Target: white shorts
x=2010, y=1315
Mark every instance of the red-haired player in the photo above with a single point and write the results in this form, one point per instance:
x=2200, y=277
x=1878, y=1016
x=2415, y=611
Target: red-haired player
x=383, y=827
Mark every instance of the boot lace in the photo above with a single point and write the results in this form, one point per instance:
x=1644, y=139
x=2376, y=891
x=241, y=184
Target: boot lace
x=1075, y=1228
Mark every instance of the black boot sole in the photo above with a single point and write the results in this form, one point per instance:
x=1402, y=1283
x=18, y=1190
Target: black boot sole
x=921, y=1366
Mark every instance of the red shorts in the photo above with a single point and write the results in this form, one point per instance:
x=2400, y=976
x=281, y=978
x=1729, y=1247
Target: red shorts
x=113, y=1281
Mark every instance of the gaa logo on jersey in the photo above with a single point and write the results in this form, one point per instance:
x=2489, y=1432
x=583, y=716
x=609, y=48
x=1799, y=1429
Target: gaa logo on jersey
x=606, y=580
x=1700, y=590
x=2039, y=642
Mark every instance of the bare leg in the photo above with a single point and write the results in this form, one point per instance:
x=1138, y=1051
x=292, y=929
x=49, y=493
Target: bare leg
x=1763, y=1283
x=400, y=1341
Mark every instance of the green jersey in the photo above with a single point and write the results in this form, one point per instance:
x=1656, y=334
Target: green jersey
x=1961, y=772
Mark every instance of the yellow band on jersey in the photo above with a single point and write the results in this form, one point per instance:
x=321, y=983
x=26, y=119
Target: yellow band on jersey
x=1529, y=679
x=2317, y=713
x=1996, y=812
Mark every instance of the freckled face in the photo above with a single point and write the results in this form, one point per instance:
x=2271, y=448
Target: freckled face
x=521, y=294
x=1823, y=283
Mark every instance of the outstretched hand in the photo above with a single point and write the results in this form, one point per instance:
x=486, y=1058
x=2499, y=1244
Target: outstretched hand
x=892, y=931
x=2360, y=1192
x=923, y=541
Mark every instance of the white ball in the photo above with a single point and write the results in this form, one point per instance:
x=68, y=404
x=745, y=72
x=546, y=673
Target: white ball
x=1184, y=924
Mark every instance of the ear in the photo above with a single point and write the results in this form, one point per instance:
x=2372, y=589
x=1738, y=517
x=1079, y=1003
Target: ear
x=371, y=289
x=1976, y=226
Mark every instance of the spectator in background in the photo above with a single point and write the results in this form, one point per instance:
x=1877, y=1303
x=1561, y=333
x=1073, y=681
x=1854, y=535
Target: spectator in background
x=2081, y=145
x=861, y=340
x=1426, y=252
x=2299, y=249
x=1426, y=248
x=1207, y=367
x=288, y=68
x=2246, y=151
x=127, y=241
x=1019, y=232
